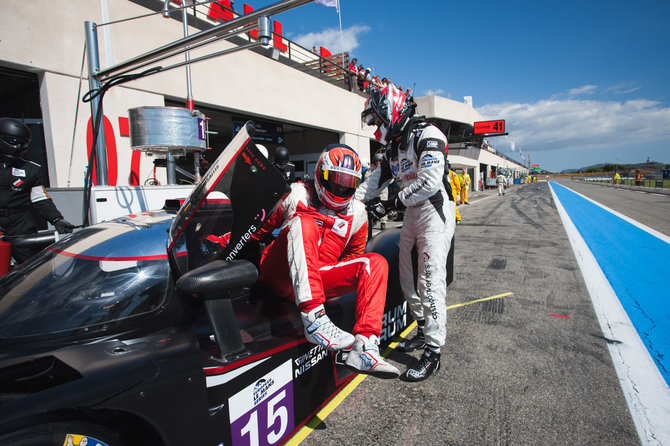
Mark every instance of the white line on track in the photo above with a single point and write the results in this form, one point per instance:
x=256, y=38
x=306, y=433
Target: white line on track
x=646, y=392
x=478, y=200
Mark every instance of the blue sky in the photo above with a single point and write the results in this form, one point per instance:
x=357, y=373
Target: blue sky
x=578, y=83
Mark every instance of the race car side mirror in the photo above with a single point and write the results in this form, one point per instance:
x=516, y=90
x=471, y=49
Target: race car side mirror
x=38, y=241
x=212, y=282
x=218, y=276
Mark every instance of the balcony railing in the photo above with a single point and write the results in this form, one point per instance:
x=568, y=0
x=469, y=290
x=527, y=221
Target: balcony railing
x=332, y=68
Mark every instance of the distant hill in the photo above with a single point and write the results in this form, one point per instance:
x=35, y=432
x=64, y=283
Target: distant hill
x=583, y=169
x=627, y=166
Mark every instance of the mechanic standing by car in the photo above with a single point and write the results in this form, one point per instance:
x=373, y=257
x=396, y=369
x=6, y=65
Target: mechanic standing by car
x=320, y=253
x=501, y=181
x=22, y=188
x=415, y=157
x=284, y=165
x=455, y=186
x=465, y=186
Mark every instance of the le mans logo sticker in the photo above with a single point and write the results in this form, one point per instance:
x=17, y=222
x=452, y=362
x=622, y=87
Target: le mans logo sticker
x=428, y=160
x=81, y=440
x=262, y=412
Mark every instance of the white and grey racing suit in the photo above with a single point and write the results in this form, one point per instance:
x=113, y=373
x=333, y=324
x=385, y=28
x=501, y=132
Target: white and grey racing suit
x=417, y=162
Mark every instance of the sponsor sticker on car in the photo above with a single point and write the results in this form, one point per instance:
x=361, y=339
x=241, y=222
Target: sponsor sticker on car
x=81, y=440
x=262, y=412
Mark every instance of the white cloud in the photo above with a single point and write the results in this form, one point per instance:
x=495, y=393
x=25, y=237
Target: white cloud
x=551, y=125
x=437, y=92
x=622, y=89
x=586, y=89
x=330, y=38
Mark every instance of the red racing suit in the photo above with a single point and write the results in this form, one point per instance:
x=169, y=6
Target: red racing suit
x=319, y=254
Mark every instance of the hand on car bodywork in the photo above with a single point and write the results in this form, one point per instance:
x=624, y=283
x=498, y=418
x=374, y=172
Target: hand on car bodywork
x=63, y=226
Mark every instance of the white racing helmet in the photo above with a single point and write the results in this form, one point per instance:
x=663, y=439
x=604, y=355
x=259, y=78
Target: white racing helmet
x=388, y=109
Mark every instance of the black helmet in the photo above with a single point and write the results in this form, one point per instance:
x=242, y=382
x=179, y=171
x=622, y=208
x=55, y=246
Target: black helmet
x=281, y=156
x=14, y=137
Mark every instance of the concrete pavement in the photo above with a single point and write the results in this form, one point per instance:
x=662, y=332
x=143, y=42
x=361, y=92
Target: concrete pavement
x=529, y=368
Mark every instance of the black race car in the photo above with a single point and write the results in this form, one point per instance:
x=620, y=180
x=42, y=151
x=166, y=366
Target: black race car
x=154, y=329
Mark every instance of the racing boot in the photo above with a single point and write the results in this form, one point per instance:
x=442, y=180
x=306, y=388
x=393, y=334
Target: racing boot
x=426, y=366
x=364, y=357
x=321, y=331
x=417, y=342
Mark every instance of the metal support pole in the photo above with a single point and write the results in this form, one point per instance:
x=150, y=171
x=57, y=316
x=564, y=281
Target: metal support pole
x=189, y=92
x=171, y=173
x=187, y=58
x=96, y=103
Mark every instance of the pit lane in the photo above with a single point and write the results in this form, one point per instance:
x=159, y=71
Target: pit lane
x=527, y=368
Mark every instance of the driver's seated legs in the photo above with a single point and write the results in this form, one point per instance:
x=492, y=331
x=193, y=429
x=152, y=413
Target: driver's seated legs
x=366, y=274
x=290, y=267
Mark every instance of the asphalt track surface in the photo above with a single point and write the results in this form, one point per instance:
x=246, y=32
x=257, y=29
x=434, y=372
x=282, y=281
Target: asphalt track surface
x=532, y=367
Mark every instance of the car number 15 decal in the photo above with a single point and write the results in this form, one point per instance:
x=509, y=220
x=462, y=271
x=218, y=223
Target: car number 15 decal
x=262, y=413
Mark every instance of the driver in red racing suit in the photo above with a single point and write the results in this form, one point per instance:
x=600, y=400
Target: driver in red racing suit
x=319, y=254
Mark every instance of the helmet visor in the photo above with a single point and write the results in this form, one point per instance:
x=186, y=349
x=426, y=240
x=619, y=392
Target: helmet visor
x=368, y=117
x=18, y=142
x=341, y=181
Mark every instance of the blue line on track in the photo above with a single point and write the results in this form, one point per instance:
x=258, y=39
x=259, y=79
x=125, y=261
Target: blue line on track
x=637, y=266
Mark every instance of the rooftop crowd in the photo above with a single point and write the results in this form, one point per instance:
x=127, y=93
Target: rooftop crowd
x=362, y=80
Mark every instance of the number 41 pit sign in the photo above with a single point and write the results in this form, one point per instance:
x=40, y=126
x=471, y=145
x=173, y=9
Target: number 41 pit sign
x=490, y=127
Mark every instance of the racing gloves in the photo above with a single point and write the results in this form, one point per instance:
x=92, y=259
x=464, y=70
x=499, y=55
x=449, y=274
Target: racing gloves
x=394, y=203
x=376, y=208
x=62, y=226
